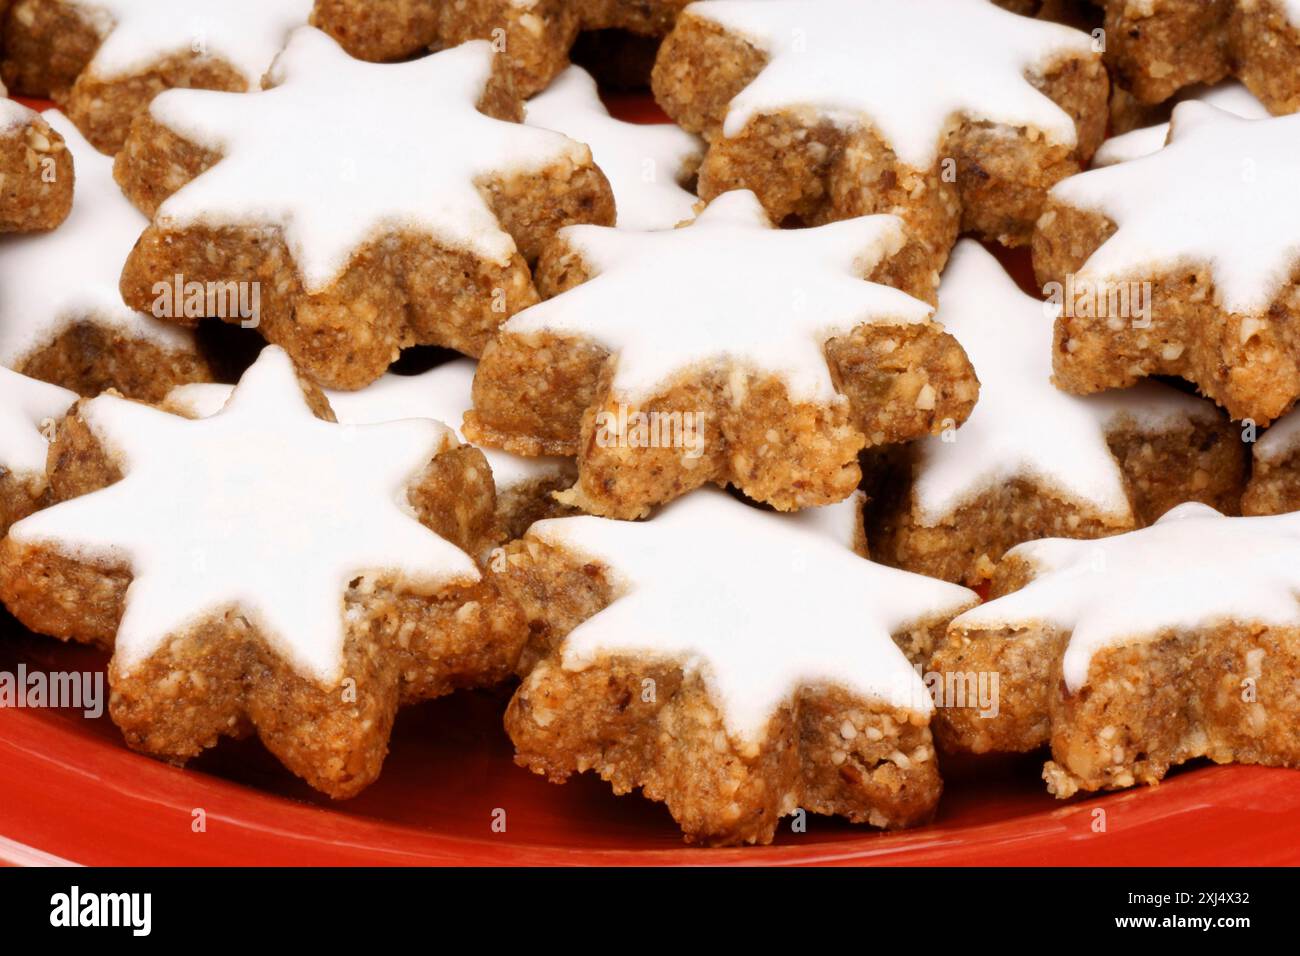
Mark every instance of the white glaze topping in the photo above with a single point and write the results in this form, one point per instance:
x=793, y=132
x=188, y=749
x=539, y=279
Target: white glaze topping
x=643, y=162
x=1222, y=192
x=911, y=68
x=730, y=289
x=1194, y=568
x=263, y=508
x=754, y=603
x=50, y=281
x=340, y=152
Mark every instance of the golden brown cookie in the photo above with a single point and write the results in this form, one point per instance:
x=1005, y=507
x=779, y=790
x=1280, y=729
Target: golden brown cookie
x=29, y=412
x=1033, y=461
x=36, y=171
x=1274, y=486
x=525, y=486
x=728, y=662
x=835, y=108
x=103, y=60
x=1135, y=653
x=62, y=318
x=1205, y=233
x=1157, y=47
x=724, y=351
x=266, y=570
x=533, y=35
x=354, y=252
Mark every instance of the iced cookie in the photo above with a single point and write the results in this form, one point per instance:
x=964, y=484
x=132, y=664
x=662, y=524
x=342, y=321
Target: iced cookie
x=1274, y=486
x=730, y=663
x=725, y=351
x=533, y=36
x=266, y=570
x=103, y=60
x=843, y=522
x=1156, y=48
x=62, y=318
x=36, y=171
x=29, y=410
x=955, y=114
x=1229, y=96
x=1136, y=653
x=648, y=165
x=1206, y=232
x=1033, y=461
x=524, y=485
x=359, y=250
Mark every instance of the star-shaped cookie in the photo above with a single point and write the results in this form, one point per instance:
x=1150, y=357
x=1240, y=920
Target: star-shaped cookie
x=533, y=36
x=524, y=485
x=725, y=351
x=36, y=174
x=1156, y=49
x=646, y=163
x=1274, y=486
x=842, y=522
x=1206, y=232
x=28, y=410
x=104, y=60
x=62, y=318
x=1229, y=96
x=266, y=569
x=1033, y=461
x=955, y=114
x=731, y=663
x=1136, y=653
x=356, y=251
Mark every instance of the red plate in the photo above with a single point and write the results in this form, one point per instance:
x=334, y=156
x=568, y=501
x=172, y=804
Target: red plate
x=71, y=791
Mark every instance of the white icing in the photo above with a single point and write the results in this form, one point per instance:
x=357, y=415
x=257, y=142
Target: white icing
x=1151, y=408
x=137, y=34
x=50, y=281
x=1281, y=439
x=728, y=288
x=13, y=114
x=412, y=151
x=754, y=603
x=263, y=508
x=26, y=405
x=1194, y=568
x=1222, y=192
x=442, y=394
x=1023, y=426
x=840, y=522
x=909, y=68
x=1292, y=10
x=1229, y=96
x=643, y=163
x=199, y=399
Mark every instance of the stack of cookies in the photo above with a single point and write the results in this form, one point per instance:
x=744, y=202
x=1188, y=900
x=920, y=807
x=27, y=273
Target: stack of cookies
x=746, y=445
